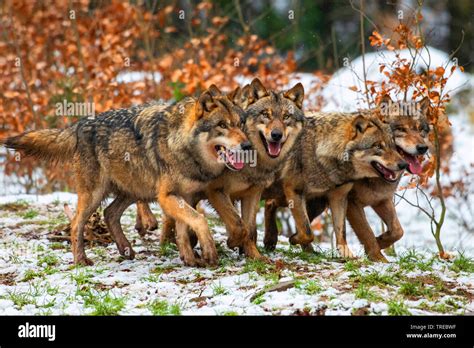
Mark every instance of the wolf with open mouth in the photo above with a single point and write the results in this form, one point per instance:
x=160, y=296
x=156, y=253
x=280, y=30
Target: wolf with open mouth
x=334, y=151
x=410, y=133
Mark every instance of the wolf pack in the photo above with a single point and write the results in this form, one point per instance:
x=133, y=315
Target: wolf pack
x=200, y=148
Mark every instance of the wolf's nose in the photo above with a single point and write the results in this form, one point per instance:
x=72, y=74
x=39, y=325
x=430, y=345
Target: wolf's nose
x=246, y=145
x=402, y=165
x=276, y=134
x=421, y=149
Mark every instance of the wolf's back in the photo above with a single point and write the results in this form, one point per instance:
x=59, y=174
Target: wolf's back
x=54, y=145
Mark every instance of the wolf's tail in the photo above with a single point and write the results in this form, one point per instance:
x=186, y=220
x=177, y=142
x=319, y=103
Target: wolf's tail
x=53, y=145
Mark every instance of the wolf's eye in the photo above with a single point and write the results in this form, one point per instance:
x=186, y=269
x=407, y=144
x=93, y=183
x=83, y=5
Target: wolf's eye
x=286, y=117
x=377, y=146
x=223, y=125
x=400, y=129
x=265, y=114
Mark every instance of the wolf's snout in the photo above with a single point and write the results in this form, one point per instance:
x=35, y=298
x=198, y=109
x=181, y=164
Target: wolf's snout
x=276, y=135
x=246, y=145
x=421, y=149
x=402, y=165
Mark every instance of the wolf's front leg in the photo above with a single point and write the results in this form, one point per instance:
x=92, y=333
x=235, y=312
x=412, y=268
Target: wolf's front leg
x=250, y=205
x=180, y=210
x=338, y=204
x=297, y=204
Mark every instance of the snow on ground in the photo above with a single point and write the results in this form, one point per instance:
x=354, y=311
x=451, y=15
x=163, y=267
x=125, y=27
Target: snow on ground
x=37, y=276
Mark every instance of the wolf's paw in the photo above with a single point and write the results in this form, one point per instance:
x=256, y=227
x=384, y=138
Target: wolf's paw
x=126, y=251
x=192, y=260
x=345, y=252
x=377, y=257
x=301, y=239
x=233, y=242
x=251, y=251
x=83, y=260
x=209, y=254
x=269, y=246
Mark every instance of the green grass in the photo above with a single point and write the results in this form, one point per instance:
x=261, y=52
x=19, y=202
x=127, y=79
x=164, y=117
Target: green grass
x=218, y=289
x=364, y=292
x=257, y=266
x=57, y=246
x=106, y=305
x=30, y=214
x=397, y=308
x=310, y=287
x=230, y=314
x=410, y=289
x=81, y=278
x=49, y=259
x=295, y=252
x=167, y=249
x=30, y=275
x=463, y=263
x=162, y=307
x=21, y=299
x=411, y=260
x=374, y=279
x=259, y=299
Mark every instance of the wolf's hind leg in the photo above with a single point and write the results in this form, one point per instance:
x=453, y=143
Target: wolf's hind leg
x=360, y=225
x=386, y=211
x=168, y=229
x=112, y=215
x=87, y=203
x=145, y=221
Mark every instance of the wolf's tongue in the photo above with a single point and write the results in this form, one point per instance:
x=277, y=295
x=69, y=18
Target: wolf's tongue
x=414, y=165
x=231, y=158
x=274, y=148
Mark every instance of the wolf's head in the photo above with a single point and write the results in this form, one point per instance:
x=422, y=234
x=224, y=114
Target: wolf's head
x=216, y=130
x=410, y=128
x=273, y=120
x=372, y=150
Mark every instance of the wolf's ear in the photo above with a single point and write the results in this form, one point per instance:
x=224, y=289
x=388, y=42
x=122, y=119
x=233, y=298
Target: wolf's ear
x=235, y=96
x=215, y=92
x=296, y=94
x=204, y=104
x=424, y=105
x=360, y=125
x=258, y=90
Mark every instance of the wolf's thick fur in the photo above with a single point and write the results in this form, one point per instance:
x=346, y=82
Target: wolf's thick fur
x=410, y=133
x=272, y=123
x=333, y=151
x=144, y=153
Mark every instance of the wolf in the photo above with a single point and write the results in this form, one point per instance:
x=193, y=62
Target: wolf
x=410, y=129
x=334, y=150
x=273, y=122
x=144, y=153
